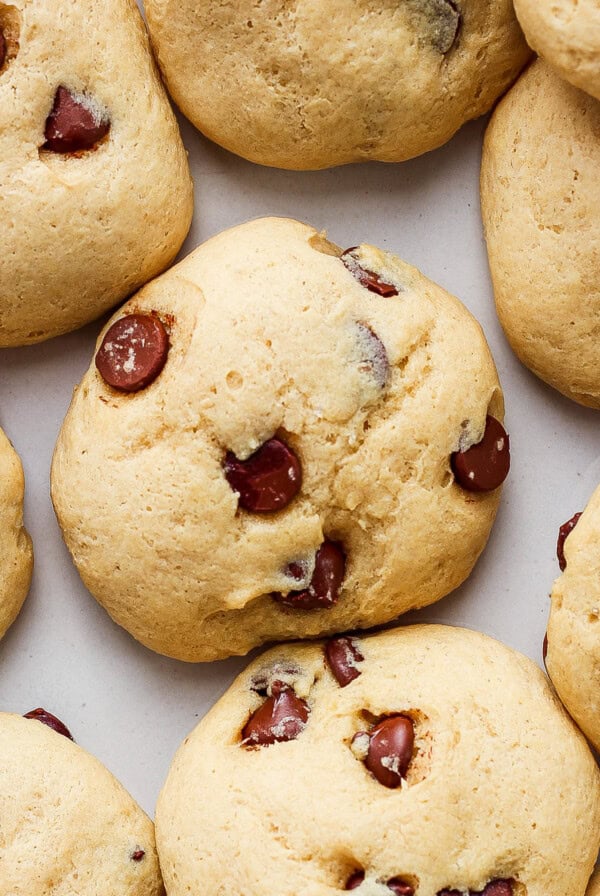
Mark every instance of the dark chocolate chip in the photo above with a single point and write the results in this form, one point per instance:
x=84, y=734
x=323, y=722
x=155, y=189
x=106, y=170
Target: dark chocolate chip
x=342, y=655
x=484, y=466
x=2, y=49
x=137, y=855
x=267, y=480
x=46, y=718
x=563, y=532
x=75, y=123
x=390, y=750
x=400, y=887
x=355, y=880
x=133, y=352
x=374, y=359
x=369, y=279
x=325, y=584
x=499, y=887
x=545, y=648
x=281, y=717
x=446, y=20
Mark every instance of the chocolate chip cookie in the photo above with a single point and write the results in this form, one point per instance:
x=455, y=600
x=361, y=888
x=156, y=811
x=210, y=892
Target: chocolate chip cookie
x=95, y=191
x=278, y=439
x=445, y=766
x=16, y=555
x=328, y=85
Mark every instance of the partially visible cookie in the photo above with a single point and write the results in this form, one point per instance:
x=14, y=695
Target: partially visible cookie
x=279, y=439
x=573, y=651
x=422, y=761
x=540, y=198
x=68, y=827
x=330, y=84
x=16, y=555
x=567, y=34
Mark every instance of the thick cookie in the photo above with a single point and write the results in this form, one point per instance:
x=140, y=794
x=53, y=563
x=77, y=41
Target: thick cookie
x=443, y=765
x=289, y=471
x=567, y=34
x=68, y=827
x=16, y=555
x=540, y=197
x=345, y=82
x=95, y=191
x=573, y=651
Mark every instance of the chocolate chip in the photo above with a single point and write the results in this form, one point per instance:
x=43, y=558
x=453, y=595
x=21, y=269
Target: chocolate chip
x=267, y=480
x=46, y=718
x=446, y=20
x=137, y=855
x=2, y=49
x=390, y=749
x=342, y=655
x=327, y=578
x=355, y=880
x=281, y=717
x=545, y=648
x=366, y=278
x=75, y=123
x=133, y=352
x=400, y=887
x=484, y=466
x=499, y=887
x=563, y=532
x=374, y=359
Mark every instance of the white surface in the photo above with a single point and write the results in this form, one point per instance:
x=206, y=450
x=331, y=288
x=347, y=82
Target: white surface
x=130, y=707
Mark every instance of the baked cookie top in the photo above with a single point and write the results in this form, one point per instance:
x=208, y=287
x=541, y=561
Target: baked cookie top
x=68, y=827
x=540, y=198
x=293, y=468
x=325, y=86
x=95, y=191
x=16, y=555
x=426, y=760
x=573, y=645
x=567, y=34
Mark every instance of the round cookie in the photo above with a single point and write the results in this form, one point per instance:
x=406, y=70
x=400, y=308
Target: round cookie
x=540, y=195
x=16, y=555
x=358, y=81
x=573, y=646
x=283, y=787
x=289, y=471
x=567, y=34
x=68, y=827
x=95, y=190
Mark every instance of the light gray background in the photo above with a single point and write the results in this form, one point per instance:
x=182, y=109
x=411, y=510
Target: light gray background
x=132, y=708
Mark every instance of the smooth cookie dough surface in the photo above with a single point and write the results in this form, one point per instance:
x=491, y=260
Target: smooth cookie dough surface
x=16, y=555
x=567, y=34
x=95, y=191
x=540, y=197
x=273, y=336
x=500, y=793
x=325, y=86
x=68, y=827
x=573, y=657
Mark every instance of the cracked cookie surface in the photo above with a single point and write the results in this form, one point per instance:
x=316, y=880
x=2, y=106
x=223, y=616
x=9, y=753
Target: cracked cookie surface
x=16, y=555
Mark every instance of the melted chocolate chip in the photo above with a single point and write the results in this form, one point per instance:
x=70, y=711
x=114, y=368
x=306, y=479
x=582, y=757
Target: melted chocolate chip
x=499, y=887
x=267, y=480
x=374, y=359
x=325, y=584
x=369, y=279
x=46, y=718
x=75, y=124
x=133, y=352
x=400, y=887
x=355, y=880
x=564, y=531
x=390, y=750
x=484, y=466
x=281, y=717
x=2, y=48
x=342, y=656
x=137, y=855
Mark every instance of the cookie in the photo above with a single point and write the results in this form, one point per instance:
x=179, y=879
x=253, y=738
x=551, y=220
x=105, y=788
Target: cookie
x=320, y=88
x=445, y=766
x=288, y=439
x=68, y=827
x=540, y=195
x=16, y=555
x=573, y=639
x=95, y=190
x=567, y=34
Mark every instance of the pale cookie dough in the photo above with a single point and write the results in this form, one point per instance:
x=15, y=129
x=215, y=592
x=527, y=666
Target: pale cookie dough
x=498, y=793
x=567, y=34
x=573, y=657
x=81, y=230
x=272, y=335
x=308, y=85
x=68, y=827
x=540, y=198
x=16, y=555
